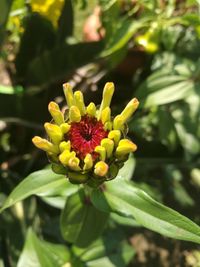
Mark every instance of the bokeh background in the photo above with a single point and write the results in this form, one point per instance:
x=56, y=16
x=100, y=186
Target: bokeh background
x=150, y=50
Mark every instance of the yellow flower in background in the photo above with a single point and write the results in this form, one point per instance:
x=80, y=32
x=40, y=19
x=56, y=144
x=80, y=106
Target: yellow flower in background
x=86, y=143
x=50, y=9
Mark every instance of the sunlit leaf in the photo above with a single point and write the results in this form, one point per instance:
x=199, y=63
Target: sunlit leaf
x=39, y=253
x=81, y=222
x=125, y=199
x=37, y=183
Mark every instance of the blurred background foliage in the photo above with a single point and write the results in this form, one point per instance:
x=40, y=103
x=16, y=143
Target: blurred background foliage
x=149, y=49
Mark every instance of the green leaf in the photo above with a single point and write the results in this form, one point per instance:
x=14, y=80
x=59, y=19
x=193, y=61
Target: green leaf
x=5, y=6
x=40, y=34
x=37, y=183
x=126, y=172
x=65, y=22
x=107, y=251
x=122, y=35
x=125, y=199
x=55, y=64
x=81, y=222
x=170, y=94
x=39, y=253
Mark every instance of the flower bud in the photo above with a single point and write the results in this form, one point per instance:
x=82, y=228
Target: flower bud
x=129, y=109
x=68, y=94
x=101, y=151
x=125, y=146
x=118, y=122
x=79, y=102
x=88, y=162
x=45, y=145
x=101, y=168
x=91, y=109
x=56, y=113
x=73, y=163
x=65, y=127
x=54, y=132
x=65, y=156
x=74, y=114
x=65, y=146
x=105, y=115
x=108, y=144
x=115, y=135
x=107, y=97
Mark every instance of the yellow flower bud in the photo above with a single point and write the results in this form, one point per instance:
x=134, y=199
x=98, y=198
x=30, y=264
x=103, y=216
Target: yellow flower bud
x=79, y=102
x=91, y=109
x=65, y=127
x=65, y=156
x=108, y=144
x=56, y=113
x=125, y=146
x=88, y=162
x=101, y=151
x=130, y=109
x=54, y=132
x=101, y=168
x=65, y=146
x=108, y=126
x=105, y=115
x=68, y=94
x=115, y=135
x=107, y=97
x=73, y=163
x=74, y=114
x=45, y=145
x=118, y=122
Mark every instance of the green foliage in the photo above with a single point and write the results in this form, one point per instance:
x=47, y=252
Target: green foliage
x=150, y=50
x=81, y=222
x=41, y=253
x=128, y=201
x=5, y=6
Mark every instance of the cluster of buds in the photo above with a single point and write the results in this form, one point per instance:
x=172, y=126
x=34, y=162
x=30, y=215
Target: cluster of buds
x=85, y=143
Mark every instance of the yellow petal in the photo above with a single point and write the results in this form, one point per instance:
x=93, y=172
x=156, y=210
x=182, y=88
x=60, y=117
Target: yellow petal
x=118, y=122
x=108, y=144
x=105, y=115
x=56, y=113
x=130, y=109
x=45, y=145
x=65, y=146
x=125, y=147
x=88, y=162
x=101, y=168
x=65, y=156
x=101, y=151
x=54, y=132
x=65, y=127
x=107, y=97
x=115, y=135
x=79, y=102
x=68, y=94
x=74, y=114
x=73, y=163
x=91, y=109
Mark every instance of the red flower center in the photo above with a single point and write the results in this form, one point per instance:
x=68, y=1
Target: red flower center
x=86, y=135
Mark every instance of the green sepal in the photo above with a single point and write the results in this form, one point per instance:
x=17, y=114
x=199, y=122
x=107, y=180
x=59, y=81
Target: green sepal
x=77, y=177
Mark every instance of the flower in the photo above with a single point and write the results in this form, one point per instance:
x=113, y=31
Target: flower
x=50, y=9
x=87, y=144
